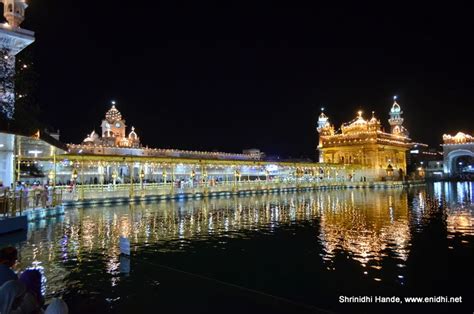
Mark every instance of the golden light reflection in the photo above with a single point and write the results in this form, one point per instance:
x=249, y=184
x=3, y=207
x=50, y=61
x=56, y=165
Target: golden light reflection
x=365, y=225
x=460, y=221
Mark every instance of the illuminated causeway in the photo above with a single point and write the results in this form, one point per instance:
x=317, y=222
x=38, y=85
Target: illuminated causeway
x=113, y=165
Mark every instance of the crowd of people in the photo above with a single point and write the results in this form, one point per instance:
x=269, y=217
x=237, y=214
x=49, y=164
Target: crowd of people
x=22, y=294
x=32, y=195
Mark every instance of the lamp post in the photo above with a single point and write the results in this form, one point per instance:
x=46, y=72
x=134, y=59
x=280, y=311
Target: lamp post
x=173, y=178
x=82, y=178
x=114, y=176
x=132, y=175
x=204, y=176
x=389, y=172
x=237, y=175
x=51, y=178
x=421, y=172
x=54, y=168
x=74, y=176
x=142, y=176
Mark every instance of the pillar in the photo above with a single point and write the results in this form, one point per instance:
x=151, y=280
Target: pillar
x=131, y=173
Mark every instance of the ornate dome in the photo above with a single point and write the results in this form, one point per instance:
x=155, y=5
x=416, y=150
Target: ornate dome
x=324, y=127
x=91, y=137
x=359, y=121
x=373, y=120
x=359, y=124
x=113, y=115
x=323, y=117
x=132, y=135
x=396, y=108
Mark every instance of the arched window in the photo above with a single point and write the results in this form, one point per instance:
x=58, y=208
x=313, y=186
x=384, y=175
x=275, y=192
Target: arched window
x=10, y=7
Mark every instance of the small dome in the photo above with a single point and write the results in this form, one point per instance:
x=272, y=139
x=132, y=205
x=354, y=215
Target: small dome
x=91, y=137
x=113, y=115
x=323, y=117
x=359, y=121
x=373, y=120
x=132, y=135
x=359, y=124
x=395, y=108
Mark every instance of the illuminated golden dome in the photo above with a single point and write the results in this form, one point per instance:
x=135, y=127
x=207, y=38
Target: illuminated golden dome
x=359, y=124
x=113, y=115
x=359, y=121
x=373, y=120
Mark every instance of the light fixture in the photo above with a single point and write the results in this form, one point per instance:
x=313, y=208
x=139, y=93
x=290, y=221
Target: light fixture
x=35, y=152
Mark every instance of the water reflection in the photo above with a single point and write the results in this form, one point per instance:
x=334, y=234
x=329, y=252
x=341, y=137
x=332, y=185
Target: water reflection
x=458, y=200
x=459, y=193
x=366, y=226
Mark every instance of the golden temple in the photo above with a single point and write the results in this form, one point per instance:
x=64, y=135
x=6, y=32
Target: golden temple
x=364, y=142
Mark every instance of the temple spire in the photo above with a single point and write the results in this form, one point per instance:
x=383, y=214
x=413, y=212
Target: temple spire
x=14, y=12
x=396, y=120
x=323, y=121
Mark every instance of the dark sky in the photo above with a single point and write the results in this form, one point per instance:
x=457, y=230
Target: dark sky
x=229, y=75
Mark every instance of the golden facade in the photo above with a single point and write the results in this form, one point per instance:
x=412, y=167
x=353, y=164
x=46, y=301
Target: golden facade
x=364, y=142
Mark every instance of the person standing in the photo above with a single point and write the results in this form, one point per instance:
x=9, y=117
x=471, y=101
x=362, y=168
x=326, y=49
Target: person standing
x=8, y=257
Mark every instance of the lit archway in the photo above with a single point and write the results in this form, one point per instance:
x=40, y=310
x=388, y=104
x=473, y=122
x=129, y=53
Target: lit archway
x=450, y=159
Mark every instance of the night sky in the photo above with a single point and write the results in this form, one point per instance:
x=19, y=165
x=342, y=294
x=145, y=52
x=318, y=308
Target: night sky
x=228, y=75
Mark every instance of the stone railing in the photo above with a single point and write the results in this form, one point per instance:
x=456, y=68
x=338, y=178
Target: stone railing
x=14, y=203
x=129, y=192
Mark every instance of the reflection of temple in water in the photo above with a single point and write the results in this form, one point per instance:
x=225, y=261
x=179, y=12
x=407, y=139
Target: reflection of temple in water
x=363, y=224
x=461, y=221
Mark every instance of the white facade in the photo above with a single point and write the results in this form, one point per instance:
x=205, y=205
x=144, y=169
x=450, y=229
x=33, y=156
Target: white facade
x=114, y=141
x=13, y=39
x=7, y=168
x=456, y=146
